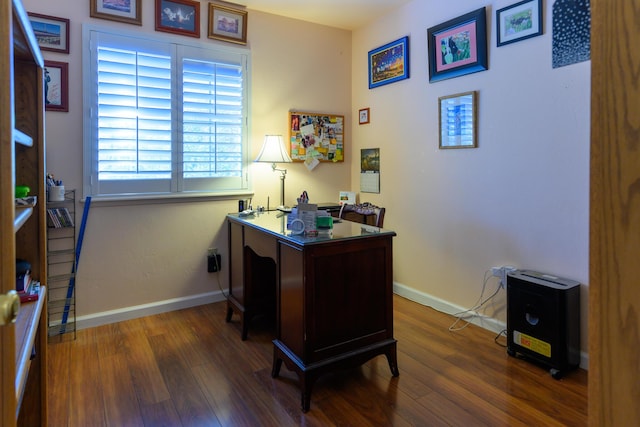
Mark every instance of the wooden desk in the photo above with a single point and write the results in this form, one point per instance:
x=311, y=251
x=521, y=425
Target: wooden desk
x=333, y=295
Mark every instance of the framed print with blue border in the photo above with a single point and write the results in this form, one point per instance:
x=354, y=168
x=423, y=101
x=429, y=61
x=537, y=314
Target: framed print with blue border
x=389, y=63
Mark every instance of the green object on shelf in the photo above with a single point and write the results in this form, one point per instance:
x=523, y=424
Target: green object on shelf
x=324, y=222
x=22, y=191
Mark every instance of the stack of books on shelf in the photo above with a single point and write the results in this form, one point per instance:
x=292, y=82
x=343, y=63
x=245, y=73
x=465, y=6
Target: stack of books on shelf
x=59, y=218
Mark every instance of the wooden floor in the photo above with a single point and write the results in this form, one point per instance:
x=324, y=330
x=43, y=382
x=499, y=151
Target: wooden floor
x=190, y=368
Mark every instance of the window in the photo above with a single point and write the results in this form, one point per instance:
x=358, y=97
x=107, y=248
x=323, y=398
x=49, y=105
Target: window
x=164, y=118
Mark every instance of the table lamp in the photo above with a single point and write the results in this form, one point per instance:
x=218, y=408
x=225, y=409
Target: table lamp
x=273, y=151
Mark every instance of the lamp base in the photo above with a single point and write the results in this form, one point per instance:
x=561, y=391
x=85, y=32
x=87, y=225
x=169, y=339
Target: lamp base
x=286, y=209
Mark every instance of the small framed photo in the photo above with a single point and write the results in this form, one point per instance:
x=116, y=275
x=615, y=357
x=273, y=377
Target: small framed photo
x=178, y=17
x=389, y=63
x=128, y=11
x=519, y=21
x=56, y=86
x=458, y=46
x=363, y=117
x=458, y=120
x=52, y=33
x=228, y=24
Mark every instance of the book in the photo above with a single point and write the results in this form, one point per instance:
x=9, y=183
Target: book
x=59, y=218
x=23, y=280
x=31, y=292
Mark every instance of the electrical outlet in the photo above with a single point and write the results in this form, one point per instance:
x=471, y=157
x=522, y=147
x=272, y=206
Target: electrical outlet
x=501, y=273
x=214, y=262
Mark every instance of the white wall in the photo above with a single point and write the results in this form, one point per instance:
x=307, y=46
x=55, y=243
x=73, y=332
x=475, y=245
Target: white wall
x=143, y=258
x=520, y=198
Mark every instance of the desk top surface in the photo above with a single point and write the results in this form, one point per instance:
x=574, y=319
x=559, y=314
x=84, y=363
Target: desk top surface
x=275, y=223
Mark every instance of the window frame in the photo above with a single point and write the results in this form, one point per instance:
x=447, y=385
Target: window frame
x=90, y=149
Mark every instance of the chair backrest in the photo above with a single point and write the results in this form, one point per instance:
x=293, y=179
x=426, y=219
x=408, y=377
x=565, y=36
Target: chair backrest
x=379, y=217
x=362, y=213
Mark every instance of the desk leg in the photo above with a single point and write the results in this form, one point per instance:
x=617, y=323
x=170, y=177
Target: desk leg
x=244, y=318
x=392, y=358
x=277, y=364
x=229, y=312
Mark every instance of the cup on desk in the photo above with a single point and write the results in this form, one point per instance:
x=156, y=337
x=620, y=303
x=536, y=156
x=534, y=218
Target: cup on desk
x=56, y=193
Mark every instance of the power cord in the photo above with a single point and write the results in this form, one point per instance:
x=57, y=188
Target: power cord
x=215, y=257
x=502, y=332
x=471, y=313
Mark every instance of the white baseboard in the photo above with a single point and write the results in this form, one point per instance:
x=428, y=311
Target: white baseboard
x=481, y=320
x=443, y=306
x=127, y=313
x=113, y=316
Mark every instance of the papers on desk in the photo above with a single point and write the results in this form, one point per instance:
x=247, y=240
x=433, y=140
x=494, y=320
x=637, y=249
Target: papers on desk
x=308, y=214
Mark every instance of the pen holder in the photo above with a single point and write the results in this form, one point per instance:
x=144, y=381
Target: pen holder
x=56, y=193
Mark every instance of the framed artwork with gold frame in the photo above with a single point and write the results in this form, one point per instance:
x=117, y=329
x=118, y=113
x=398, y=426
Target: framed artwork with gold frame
x=227, y=24
x=458, y=120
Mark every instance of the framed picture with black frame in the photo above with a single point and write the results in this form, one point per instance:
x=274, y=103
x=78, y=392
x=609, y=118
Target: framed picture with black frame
x=458, y=46
x=389, y=63
x=519, y=21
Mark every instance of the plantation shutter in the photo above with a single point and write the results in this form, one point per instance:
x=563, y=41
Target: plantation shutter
x=165, y=118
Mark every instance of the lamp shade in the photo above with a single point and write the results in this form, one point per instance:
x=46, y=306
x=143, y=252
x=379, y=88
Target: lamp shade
x=273, y=150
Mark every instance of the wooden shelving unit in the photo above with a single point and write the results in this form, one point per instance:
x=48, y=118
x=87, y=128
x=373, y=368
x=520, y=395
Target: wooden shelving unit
x=23, y=344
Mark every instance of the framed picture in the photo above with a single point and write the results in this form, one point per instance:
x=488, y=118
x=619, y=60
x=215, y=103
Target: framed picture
x=363, y=116
x=227, y=24
x=178, y=17
x=52, y=33
x=458, y=120
x=519, y=21
x=316, y=137
x=458, y=47
x=56, y=86
x=128, y=11
x=389, y=63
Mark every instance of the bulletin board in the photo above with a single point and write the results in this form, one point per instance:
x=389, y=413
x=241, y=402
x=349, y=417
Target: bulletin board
x=316, y=136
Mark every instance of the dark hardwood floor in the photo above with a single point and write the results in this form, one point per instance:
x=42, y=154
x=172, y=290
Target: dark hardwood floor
x=190, y=368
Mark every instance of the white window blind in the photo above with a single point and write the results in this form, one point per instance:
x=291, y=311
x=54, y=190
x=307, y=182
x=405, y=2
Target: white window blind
x=166, y=118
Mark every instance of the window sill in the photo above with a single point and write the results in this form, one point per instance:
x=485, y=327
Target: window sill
x=150, y=199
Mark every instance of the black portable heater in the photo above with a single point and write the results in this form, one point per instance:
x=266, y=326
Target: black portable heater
x=543, y=319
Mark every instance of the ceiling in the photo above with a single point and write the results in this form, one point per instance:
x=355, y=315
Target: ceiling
x=345, y=14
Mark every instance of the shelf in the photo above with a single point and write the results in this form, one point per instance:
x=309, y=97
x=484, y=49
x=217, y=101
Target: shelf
x=24, y=39
x=61, y=261
x=22, y=138
x=61, y=252
x=22, y=215
x=22, y=223
x=27, y=324
x=60, y=278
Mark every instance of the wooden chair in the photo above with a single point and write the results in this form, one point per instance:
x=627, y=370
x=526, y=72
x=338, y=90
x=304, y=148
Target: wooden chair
x=364, y=214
